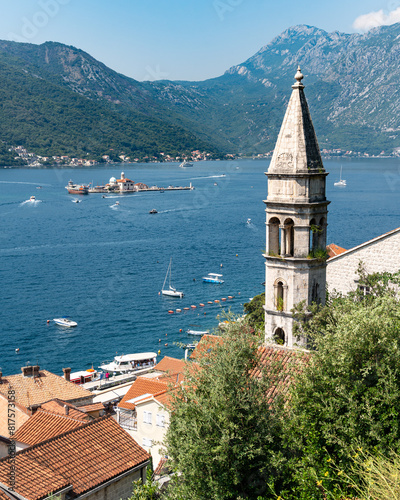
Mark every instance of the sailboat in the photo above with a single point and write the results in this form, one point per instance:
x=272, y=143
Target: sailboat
x=341, y=182
x=170, y=291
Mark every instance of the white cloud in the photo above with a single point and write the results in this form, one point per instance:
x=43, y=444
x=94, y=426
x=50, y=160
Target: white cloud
x=374, y=19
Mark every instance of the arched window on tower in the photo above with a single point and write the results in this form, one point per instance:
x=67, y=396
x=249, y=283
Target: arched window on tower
x=274, y=243
x=314, y=235
x=280, y=294
x=322, y=233
x=279, y=336
x=315, y=293
x=288, y=232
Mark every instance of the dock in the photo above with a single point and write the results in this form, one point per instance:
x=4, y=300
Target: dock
x=107, y=190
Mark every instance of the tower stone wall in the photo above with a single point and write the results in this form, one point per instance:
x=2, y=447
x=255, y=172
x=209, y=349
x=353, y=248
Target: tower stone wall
x=296, y=221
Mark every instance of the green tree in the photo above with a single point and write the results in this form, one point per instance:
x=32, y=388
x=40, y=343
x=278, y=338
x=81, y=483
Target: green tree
x=348, y=397
x=255, y=312
x=225, y=433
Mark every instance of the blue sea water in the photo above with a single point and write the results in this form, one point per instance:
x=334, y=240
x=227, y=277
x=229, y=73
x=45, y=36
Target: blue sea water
x=104, y=264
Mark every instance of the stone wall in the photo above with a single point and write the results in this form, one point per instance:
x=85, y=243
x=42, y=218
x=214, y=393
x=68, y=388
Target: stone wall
x=120, y=489
x=378, y=255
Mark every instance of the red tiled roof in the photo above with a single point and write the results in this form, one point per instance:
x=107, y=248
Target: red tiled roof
x=170, y=365
x=31, y=391
x=206, y=343
x=92, y=407
x=161, y=466
x=140, y=387
x=85, y=457
x=44, y=425
x=334, y=250
x=281, y=363
x=57, y=406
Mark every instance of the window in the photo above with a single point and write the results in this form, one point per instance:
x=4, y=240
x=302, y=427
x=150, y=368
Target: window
x=147, y=442
x=365, y=290
x=160, y=420
x=279, y=336
x=147, y=417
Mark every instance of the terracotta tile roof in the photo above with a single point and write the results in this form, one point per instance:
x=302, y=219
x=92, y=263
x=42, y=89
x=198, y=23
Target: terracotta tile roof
x=31, y=391
x=85, y=458
x=163, y=398
x=140, y=387
x=161, y=467
x=174, y=379
x=170, y=365
x=281, y=364
x=57, y=406
x=92, y=407
x=44, y=425
x=334, y=250
x=206, y=343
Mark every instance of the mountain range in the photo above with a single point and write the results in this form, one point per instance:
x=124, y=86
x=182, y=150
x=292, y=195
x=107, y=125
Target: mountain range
x=57, y=99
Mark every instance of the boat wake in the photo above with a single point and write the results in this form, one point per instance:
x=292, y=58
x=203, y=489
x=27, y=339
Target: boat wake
x=27, y=183
x=30, y=202
x=207, y=177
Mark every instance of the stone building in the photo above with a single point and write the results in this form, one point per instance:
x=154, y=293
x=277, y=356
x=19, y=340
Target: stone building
x=296, y=219
x=380, y=254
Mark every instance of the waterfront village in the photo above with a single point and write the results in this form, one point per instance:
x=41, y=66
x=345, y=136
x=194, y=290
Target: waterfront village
x=33, y=160
x=88, y=435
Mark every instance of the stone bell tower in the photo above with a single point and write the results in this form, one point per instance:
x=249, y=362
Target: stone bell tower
x=296, y=221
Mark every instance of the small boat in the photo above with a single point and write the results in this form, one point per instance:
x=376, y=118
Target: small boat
x=65, y=322
x=83, y=376
x=249, y=221
x=130, y=362
x=213, y=278
x=185, y=164
x=76, y=201
x=38, y=187
x=197, y=332
x=32, y=198
x=341, y=182
x=170, y=291
x=117, y=202
x=76, y=188
x=154, y=211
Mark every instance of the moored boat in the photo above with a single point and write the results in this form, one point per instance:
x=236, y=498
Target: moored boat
x=213, y=278
x=170, y=291
x=76, y=188
x=128, y=363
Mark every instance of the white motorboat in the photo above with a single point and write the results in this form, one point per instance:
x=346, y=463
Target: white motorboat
x=32, y=198
x=65, y=322
x=185, y=164
x=213, y=278
x=341, y=182
x=199, y=333
x=170, y=291
x=128, y=363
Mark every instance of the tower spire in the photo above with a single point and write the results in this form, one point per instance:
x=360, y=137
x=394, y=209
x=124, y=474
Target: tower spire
x=297, y=147
x=296, y=220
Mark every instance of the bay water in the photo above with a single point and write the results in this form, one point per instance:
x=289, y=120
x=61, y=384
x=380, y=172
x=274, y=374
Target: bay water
x=103, y=264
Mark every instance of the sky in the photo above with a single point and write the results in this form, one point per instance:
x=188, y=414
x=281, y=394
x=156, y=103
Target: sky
x=180, y=39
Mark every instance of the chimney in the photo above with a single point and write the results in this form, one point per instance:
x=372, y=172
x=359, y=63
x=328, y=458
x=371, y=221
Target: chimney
x=27, y=371
x=66, y=408
x=35, y=371
x=67, y=373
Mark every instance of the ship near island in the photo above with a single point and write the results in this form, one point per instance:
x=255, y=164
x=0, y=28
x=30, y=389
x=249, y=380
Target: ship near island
x=121, y=186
